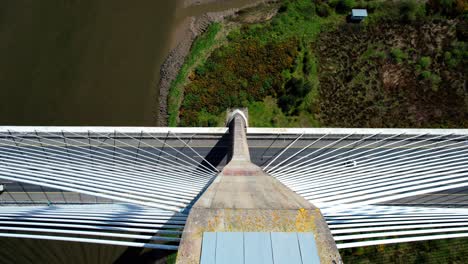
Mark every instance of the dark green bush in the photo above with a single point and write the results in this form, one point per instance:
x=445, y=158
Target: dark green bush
x=426, y=75
x=343, y=6
x=408, y=10
x=462, y=29
x=200, y=70
x=425, y=62
x=435, y=79
x=323, y=10
x=372, y=5
x=283, y=8
x=398, y=55
x=295, y=92
x=450, y=8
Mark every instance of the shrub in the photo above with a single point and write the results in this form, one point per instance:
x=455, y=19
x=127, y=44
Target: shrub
x=240, y=73
x=435, y=79
x=379, y=54
x=295, y=91
x=462, y=28
x=323, y=10
x=398, y=55
x=343, y=6
x=447, y=55
x=447, y=7
x=200, y=70
x=432, y=77
x=286, y=102
x=283, y=8
x=458, y=54
x=374, y=54
x=426, y=75
x=408, y=10
x=266, y=113
x=373, y=5
x=425, y=62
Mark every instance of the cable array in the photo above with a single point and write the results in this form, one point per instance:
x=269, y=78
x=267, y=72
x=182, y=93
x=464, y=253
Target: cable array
x=119, y=167
x=112, y=224
x=375, y=168
x=357, y=226
x=350, y=176
x=144, y=183
x=109, y=187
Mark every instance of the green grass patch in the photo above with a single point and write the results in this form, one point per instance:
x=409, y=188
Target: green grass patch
x=398, y=55
x=452, y=250
x=171, y=259
x=267, y=113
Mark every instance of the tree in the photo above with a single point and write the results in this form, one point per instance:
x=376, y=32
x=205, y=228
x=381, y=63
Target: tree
x=408, y=10
x=448, y=7
x=343, y=6
x=425, y=62
x=322, y=9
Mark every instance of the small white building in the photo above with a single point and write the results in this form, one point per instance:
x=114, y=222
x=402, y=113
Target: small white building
x=358, y=14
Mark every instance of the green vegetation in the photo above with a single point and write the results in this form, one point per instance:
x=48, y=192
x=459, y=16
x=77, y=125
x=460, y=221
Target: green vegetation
x=343, y=6
x=198, y=52
x=404, y=66
x=406, y=11
x=425, y=62
x=450, y=8
x=411, y=10
x=235, y=78
x=171, y=259
x=428, y=252
x=323, y=9
x=268, y=65
x=398, y=55
x=391, y=72
x=267, y=114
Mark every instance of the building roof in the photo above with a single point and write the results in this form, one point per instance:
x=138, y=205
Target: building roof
x=359, y=12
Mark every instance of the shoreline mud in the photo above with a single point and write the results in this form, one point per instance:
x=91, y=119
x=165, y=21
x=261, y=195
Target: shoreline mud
x=188, y=30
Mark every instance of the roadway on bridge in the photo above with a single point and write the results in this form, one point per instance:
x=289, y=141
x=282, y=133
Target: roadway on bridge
x=262, y=152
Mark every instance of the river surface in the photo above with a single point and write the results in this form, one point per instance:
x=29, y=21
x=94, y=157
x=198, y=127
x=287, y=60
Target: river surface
x=88, y=62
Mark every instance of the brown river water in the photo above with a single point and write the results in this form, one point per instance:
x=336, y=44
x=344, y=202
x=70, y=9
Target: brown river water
x=88, y=62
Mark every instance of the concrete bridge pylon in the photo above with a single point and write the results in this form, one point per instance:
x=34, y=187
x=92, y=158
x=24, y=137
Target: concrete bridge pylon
x=244, y=198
